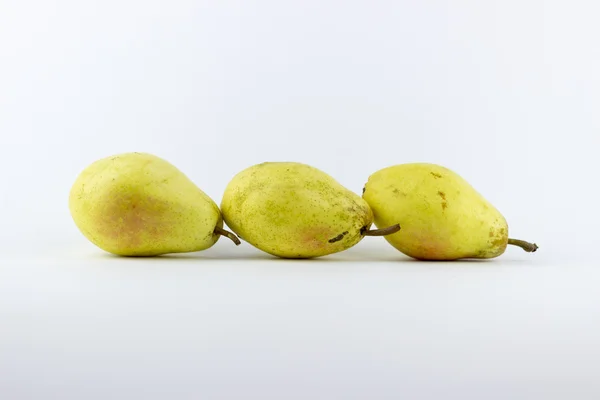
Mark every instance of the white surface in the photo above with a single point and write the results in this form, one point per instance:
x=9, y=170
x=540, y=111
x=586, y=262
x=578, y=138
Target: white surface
x=506, y=93
x=358, y=325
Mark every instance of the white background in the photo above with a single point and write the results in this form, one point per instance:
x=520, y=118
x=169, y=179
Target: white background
x=506, y=93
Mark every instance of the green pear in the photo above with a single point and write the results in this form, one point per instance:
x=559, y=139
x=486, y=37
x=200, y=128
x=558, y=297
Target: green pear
x=293, y=210
x=442, y=216
x=137, y=204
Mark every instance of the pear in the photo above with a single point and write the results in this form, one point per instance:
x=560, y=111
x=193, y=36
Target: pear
x=442, y=216
x=137, y=204
x=293, y=210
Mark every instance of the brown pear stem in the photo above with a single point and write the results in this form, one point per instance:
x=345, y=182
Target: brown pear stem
x=230, y=235
x=382, y=232
x=528, y=247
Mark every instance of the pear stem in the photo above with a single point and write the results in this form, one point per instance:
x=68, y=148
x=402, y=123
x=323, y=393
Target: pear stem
x=528, y=247
x=382, y=232
x=230, y=235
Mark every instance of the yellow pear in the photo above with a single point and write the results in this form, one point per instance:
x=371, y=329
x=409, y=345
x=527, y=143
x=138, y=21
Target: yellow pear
x=442, y=216
x=293, y=210
x=137, y=204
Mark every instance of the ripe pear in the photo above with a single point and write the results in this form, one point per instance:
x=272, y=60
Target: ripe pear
x=137, y=204
x=442, y=216
x=293, y=210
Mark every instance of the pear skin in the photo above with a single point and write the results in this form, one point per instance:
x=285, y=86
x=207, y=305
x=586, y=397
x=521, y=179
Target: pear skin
x=137, y=204
x=293, y=210
x=442, y=216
